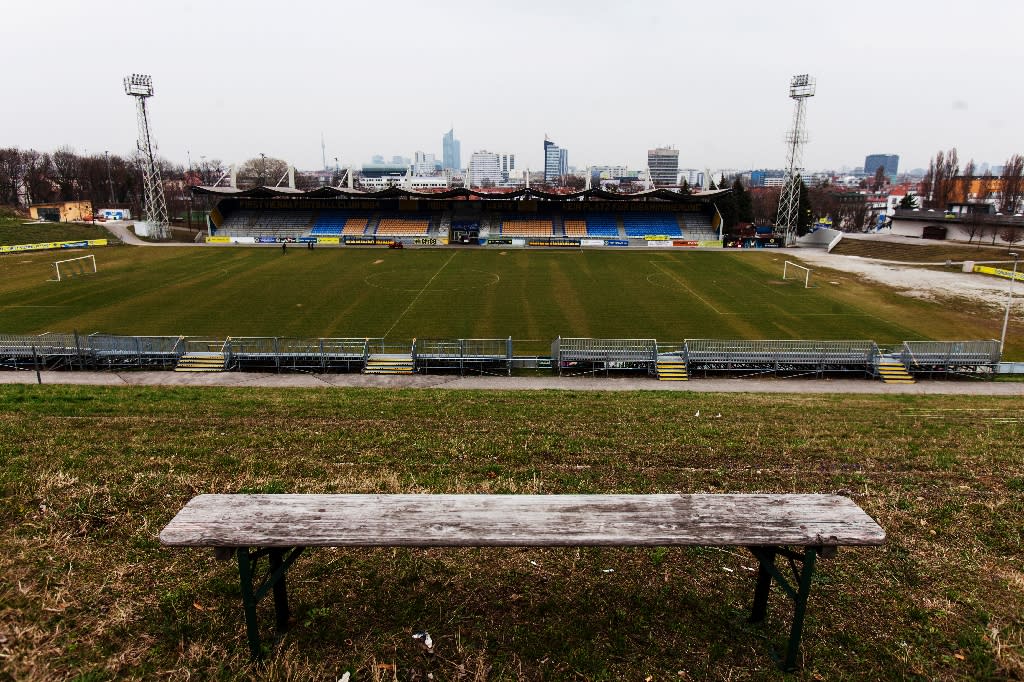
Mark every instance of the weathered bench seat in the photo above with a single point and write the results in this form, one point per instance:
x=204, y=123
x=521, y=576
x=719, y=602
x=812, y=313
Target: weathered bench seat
x=281, y=526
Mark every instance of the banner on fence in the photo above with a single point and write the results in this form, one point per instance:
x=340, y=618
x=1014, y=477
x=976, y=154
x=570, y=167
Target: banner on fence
x=591, y=242
x=218, y=240
x=44, y=246
x=999, y=272
x=685, y=242
x=328, y=240
x=659, y=242
x=616, y=242
x=711, y=244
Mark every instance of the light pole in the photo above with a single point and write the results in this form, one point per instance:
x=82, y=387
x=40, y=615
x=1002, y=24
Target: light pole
x=263, y=169
x=1009, y=300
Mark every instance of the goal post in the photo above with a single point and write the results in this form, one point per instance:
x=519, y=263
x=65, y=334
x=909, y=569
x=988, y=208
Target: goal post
x=71, y=267
x=798, y=268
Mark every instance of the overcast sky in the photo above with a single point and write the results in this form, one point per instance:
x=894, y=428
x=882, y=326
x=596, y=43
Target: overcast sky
x=606, y=80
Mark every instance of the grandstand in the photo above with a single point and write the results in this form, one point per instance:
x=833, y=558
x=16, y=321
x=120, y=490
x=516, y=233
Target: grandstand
x=465, y=216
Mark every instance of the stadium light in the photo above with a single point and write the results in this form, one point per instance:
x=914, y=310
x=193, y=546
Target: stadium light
x=1009, y=300
x=138, y=85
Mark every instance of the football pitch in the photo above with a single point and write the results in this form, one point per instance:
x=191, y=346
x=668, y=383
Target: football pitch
x=532, y=296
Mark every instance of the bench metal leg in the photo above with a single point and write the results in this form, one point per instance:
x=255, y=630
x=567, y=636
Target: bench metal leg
x=802, y=577
x=280, y=561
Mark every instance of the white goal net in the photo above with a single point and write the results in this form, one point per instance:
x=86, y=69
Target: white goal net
x=74, y=267
x=799, y=272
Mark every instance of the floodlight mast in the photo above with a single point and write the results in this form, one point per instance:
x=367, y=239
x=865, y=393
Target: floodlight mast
x=154, y=208
x=800, y=89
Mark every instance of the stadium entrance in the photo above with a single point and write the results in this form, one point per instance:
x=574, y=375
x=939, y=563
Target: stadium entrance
x=465, y=232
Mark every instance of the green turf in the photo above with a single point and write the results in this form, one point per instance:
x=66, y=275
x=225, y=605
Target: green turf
x=532, y=296
x=16, y=231
x=90, y=475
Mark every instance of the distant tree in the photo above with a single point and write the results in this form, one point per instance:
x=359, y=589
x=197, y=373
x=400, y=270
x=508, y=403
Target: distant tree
x=1013, y=184
x=974, y=226
x=262, y=170
x=727, y=207
x=963, y=194
x=805, y=211
x=573, y=182
x=879, y=181
x=908, y=202
x=684, y=187
x=765, y=203
x=939, y=178
x=486, y=183
x=985, y=187
x=744, y=204
x=1011, y=234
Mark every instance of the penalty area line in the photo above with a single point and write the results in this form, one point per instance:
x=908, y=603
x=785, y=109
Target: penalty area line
x=685, y=286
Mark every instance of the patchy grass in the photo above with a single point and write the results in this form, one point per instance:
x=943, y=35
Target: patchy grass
x=89, y=476
x=532, y=296
x=17, y=231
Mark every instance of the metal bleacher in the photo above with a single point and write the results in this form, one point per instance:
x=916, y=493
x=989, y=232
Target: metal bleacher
x=949, y=357
x=720, y=355
x=698, y=226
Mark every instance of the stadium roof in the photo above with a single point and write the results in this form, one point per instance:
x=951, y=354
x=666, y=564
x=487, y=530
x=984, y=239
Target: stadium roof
x=457, y=193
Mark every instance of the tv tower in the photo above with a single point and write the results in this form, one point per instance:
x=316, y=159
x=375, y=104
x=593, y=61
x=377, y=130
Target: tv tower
x=800, y=89
x=154, y=208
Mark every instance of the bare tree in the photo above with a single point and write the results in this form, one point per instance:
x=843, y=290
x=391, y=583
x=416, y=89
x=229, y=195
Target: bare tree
x=938, y=180
x=879, y=181
x=262, y=170
x=1013, y=183
x=974, y=226
x=985, y=188
x=1010, y=234
x=966, y=179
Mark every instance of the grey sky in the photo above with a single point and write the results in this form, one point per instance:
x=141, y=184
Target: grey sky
x=607, y=80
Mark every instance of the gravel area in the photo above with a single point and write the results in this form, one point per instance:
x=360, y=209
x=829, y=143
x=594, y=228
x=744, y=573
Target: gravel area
x=911, y=279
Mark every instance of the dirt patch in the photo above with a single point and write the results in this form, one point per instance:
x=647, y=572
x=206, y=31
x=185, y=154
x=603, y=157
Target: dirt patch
x=378, y=261
x=916, y=281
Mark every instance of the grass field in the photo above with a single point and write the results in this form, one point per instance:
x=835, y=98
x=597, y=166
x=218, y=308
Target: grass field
x=90, y=475
x=532, y=296
x=14, y=231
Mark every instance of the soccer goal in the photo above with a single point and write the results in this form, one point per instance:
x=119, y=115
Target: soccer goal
x=798, y=268
x=74, y=267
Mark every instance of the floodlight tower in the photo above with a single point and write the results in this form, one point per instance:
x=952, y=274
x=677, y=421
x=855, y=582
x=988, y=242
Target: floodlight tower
x=800, y=89
x=154, y=209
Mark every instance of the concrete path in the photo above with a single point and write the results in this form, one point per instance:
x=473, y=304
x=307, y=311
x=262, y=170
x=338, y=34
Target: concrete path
x=862, y=386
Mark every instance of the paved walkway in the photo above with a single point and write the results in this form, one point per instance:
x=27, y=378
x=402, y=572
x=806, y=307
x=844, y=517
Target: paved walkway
x=864, y=386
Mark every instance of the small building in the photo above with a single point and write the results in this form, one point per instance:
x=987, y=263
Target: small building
x=62, y=211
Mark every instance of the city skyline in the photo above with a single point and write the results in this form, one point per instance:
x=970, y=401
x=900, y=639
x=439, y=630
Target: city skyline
x=722, y=108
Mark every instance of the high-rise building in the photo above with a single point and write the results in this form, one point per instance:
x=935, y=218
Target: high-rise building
x=451, y=151
x=556, y=161
x=889, y=162
x=485, y=169
x=508, y=165
x=663, y=162
x=424, y=164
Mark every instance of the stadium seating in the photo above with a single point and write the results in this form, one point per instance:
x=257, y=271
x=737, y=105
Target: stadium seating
x=602, y=226
x=517, y=227
x=698, y=226
x=641, y=226
x=237, y=221
x=282, y=223
x=355, y=226
x=575, y=228
x=403, y=227
x=332, y=223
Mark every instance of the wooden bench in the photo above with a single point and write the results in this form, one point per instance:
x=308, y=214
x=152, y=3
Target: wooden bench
x=798, y=528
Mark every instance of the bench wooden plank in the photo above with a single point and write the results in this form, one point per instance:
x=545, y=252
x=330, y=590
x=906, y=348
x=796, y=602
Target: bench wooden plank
x=243, y=520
